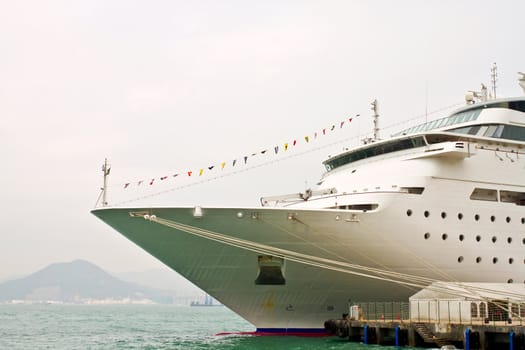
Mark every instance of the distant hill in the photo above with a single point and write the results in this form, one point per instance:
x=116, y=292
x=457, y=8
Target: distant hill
x=161, y=278
x=78, y=281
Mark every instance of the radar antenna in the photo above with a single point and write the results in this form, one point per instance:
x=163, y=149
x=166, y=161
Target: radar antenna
x=521, y=81
x=105, y=169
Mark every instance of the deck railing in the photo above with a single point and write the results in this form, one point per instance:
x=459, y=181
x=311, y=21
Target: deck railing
x=440, y=311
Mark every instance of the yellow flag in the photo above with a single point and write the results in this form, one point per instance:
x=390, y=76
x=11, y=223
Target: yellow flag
x=200, y=172
x=285, y=146
x=306, y=139
x=223, y=164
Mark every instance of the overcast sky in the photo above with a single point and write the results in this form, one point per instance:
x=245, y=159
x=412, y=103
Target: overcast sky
x=164, y=87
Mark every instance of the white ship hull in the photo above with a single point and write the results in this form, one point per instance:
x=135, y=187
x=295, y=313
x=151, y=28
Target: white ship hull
x=445, y=206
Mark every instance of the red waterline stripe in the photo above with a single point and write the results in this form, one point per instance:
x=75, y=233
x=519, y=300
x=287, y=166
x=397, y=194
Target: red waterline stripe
x=282, y=332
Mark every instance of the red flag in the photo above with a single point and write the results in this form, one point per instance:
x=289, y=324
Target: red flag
x=164, y=178
x=151, y=182
x=189, y=173
x=126, y=185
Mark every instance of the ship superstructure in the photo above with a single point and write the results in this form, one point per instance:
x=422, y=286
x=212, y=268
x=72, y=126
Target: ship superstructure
x=440, y=201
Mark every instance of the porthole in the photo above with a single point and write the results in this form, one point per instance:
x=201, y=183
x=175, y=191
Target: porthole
x=460, y=259
x=443, y=214
x=523, y=220
x=478, y=259
x=507, y=219
x=509, y=240
x=511, y=260
x=476, y=217
x=492, y=218
x=510, y=280
x=523, y=241
x=494, y=239
x=409, y=212
x=460, y=216
x=444, y=236
x=494, y=260
x=427, y=235
x=426, y=213
x=461, y=237
x=478, y=238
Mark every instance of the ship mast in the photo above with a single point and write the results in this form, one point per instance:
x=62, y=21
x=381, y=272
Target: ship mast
x=376, y=120
x=494, y=78
x=105, y=169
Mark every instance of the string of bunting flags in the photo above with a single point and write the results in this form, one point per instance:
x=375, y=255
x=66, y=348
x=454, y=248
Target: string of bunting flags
x=243, y=160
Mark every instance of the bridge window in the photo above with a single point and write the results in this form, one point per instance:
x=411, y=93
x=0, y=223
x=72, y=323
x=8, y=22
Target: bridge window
x=484, y=194
x=512, y=197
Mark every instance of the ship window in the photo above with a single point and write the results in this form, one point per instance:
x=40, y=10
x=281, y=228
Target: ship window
x=515, y=105
x=482, y=130
x=460, y=259
x=512, y=132
x=478, y=259
x=374, y=150
x=494, y=260
x=413, y=190
x=461, y=237
x=478, y=238
x=427, y=235
x=494, y=239
x=482, y=310
x=444, y=236
x=473, y=309
x=270, y=270
x=460, y=216
x=362, y=207
x=427, y=214
x=517, y=198
x=509, y=240
x=476, y=217
x=484, y=194
x=491, y=130
x=511, y=260
x=492, y=218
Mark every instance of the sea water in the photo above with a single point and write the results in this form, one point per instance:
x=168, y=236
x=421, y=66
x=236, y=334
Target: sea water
x=55, y=326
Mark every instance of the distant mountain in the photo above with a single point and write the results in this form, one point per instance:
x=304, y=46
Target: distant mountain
x=76, y=282
x=162, y=278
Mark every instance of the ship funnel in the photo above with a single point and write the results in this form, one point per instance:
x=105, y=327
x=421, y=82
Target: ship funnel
x=521, y=81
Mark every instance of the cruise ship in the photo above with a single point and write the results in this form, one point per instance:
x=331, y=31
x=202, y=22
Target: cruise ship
x=440, y=201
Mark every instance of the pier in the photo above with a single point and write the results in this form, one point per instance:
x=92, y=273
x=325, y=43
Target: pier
x=439, y=319
x=425, y=334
